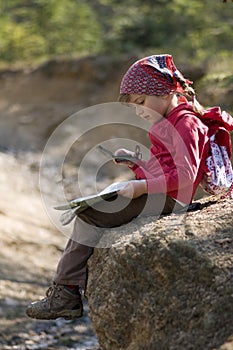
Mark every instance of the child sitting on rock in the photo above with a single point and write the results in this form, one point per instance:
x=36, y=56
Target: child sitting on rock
x=163, y=184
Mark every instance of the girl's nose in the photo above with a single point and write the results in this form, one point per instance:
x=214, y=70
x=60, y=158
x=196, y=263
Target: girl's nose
x=139, y=111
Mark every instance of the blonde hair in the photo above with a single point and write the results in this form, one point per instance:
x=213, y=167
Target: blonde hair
x=124, y=98
x=188, y=92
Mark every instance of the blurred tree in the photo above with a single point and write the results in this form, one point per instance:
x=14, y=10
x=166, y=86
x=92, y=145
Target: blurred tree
x=33, y=28
x=194, y=30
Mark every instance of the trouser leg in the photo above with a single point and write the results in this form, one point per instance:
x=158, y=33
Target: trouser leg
x=72, y=267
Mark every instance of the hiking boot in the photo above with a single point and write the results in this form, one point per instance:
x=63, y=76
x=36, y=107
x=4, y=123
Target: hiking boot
x=59, y=302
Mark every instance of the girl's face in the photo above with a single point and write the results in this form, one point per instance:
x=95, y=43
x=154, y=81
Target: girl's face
x=153, y=108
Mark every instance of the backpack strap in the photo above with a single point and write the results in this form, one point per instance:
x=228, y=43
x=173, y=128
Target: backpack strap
x=220, y=123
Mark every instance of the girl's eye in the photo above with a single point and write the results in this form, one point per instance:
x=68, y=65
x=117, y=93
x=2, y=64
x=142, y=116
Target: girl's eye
x=140, y=102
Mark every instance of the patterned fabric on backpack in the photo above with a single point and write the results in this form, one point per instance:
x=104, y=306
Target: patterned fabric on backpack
x=220, y=177
x=216, y=159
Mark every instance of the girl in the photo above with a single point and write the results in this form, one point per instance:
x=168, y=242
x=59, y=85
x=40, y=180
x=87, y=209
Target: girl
x=163, y=184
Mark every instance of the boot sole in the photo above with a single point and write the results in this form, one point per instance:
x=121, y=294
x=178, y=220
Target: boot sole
x=67, y=314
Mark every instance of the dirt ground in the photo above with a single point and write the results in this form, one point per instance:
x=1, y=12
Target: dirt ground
x=30, y=249
x=32, y=104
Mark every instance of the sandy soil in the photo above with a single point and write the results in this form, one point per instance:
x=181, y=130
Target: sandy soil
x=30, y=249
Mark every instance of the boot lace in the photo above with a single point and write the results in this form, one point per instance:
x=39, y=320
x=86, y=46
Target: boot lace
x=52, y=292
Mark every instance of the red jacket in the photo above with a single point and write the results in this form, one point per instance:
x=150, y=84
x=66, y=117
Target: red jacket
x=180, y=143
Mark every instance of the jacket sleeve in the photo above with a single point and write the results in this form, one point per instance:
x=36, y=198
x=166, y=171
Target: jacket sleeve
x=189, y=139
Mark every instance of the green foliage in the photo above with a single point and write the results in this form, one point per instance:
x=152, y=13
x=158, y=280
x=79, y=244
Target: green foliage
x=30, y=29
x=194, y=30
x=189, y=29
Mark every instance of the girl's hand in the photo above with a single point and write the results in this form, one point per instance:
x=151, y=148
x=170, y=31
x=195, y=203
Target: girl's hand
x=121, y=152
x=134, y=189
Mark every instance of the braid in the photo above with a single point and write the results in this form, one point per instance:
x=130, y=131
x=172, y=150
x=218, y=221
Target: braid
x=190, y=93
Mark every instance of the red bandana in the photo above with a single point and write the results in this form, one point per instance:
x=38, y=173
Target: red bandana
x=153, y=75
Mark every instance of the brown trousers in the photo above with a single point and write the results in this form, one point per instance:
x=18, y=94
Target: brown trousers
x=72, y=267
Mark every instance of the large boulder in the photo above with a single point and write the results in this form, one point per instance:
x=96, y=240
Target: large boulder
x=166, y=284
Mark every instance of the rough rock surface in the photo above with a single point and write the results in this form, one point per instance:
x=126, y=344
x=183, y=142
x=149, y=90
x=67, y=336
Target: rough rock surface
x=166, y=284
